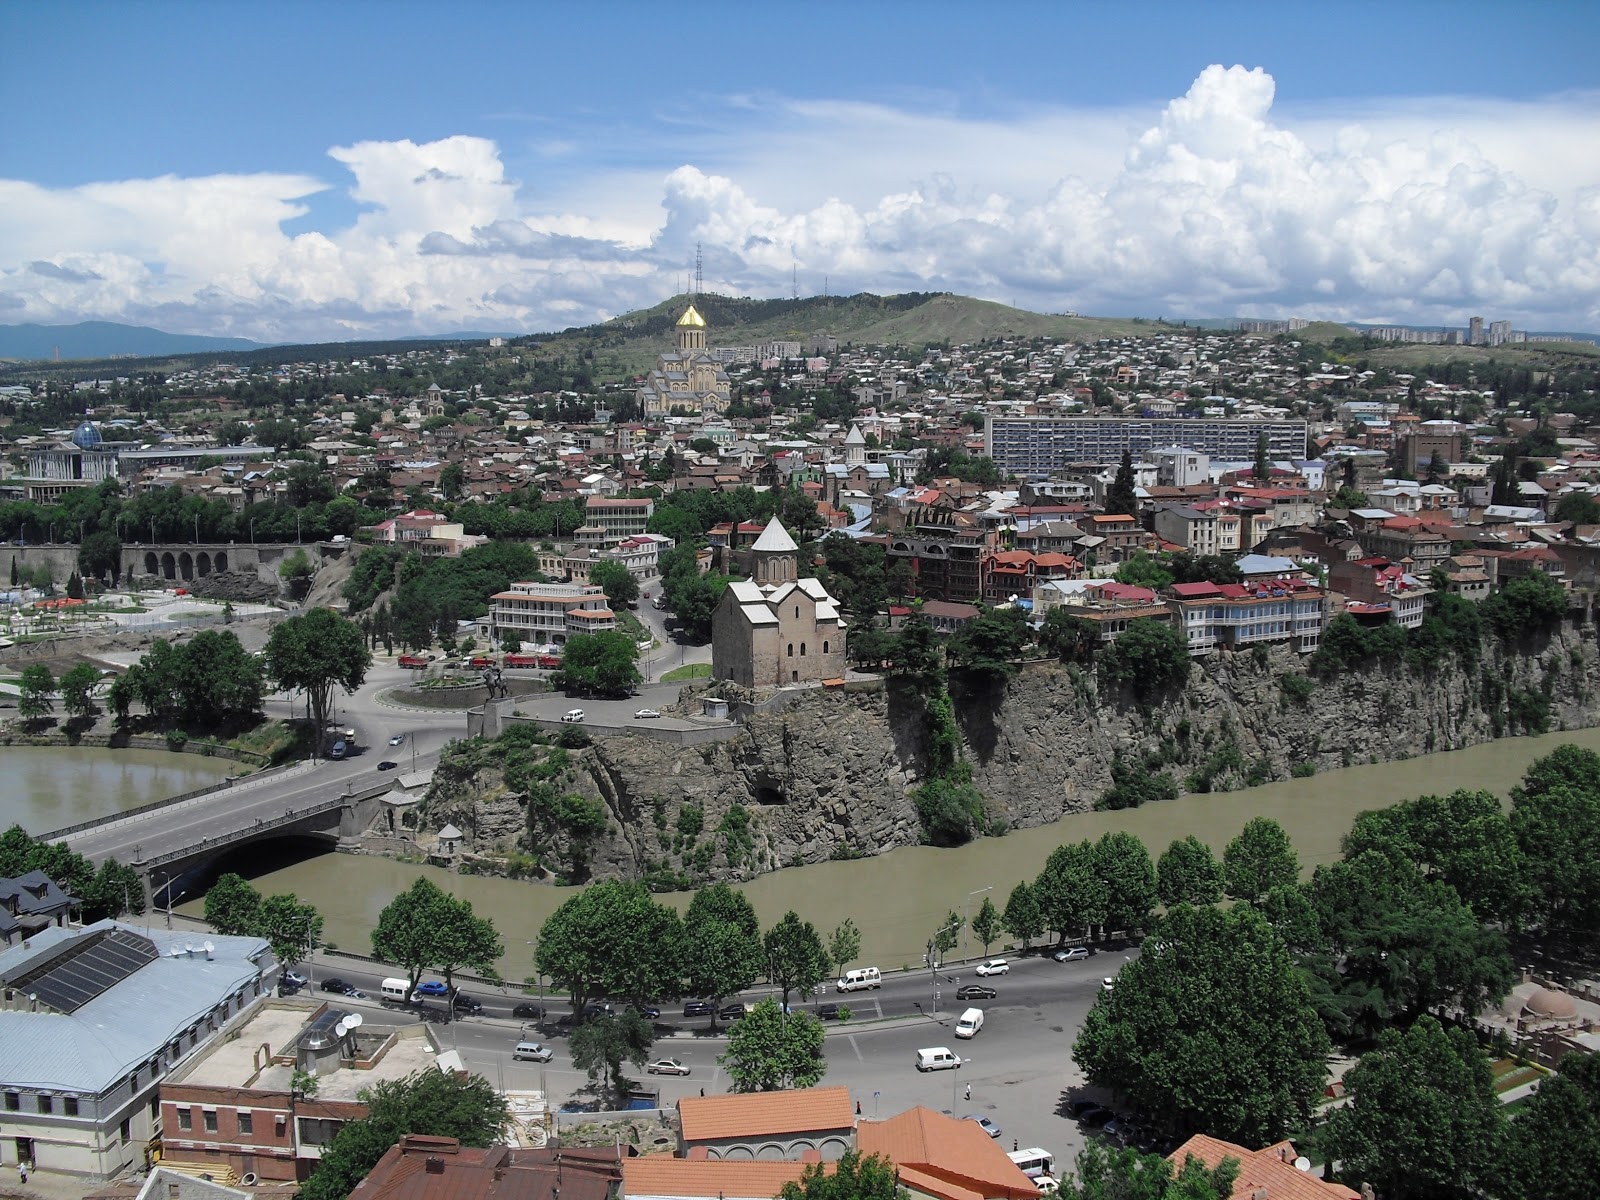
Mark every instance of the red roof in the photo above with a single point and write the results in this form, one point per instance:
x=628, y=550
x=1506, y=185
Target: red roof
x=1194, y=591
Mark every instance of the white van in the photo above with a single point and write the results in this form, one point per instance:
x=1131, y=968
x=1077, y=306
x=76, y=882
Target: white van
x=398, y=990
x=969, y=1023
x=937, y=1058
x=861, y=977
x=1034, y=1162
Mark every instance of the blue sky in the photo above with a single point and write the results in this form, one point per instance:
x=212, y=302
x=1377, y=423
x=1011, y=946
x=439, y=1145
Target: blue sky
x=289, y=171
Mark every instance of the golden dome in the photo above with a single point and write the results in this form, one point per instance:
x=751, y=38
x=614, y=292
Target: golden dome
x=691, y=317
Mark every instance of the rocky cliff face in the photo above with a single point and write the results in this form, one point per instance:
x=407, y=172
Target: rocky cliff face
x=831, y=774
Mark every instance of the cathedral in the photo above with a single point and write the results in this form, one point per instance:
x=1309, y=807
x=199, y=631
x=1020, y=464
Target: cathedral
x=688, y=377
x=776, y=627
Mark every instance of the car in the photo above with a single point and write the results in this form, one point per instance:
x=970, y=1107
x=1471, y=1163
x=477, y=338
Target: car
x=732, y=1012
x=1107, y=984
x=398, y=739
x=975, y=991
x=697, y=1008
x=532, y=1051
x=387, y=765
x=466, y=1004
x=986, y=1125
x=294, y=978
x=355, y=993
x=432, y=987
x=650, y=1012
x=532, y=1011
x=1097, y=1117
x=335, y=985
x=572, y=716
x=829, y=1012
x=644, y=714
x=1116, y=1128
x=598, y=1009
x=995, y=966
x=667, y=1066
x=1078, y=1107
x=1071, y=954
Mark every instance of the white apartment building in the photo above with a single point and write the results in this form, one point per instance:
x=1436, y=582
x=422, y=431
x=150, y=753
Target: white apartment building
x=547, y=613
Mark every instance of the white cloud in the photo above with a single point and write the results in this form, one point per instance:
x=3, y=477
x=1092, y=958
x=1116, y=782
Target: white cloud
x=1217, y=204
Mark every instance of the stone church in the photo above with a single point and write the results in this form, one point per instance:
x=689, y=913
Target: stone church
x=688, y=377
x=777, y=628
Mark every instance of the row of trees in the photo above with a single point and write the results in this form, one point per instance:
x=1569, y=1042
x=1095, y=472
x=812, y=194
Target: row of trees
x=108, y=890
x=37, y=688
x=209, y=682
x=292, y=927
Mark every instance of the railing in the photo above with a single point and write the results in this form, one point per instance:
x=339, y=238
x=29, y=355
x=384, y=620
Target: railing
x=292, y=817
x=155, y=805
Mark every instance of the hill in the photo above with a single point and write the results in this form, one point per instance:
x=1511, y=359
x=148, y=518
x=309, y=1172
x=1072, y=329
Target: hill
x=1322, y=332
x=107, y=339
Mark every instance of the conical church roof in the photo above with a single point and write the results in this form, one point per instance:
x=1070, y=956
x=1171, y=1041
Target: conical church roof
x=692, y=317
x=775, y=539
x=854, y=438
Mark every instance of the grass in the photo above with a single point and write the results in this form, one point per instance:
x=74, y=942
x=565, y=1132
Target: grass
x=689, y=671
x=1509, y=1074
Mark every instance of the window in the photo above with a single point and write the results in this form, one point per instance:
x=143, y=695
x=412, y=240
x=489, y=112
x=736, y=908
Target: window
x=155, y=1109
x=185, y=1119
x=210, y=1116
x=125, y=1130
x=47, y=1104
x=791, y=649
x=824, y=647
x=246, y=1123
x=13, y=1102
x=802, y=649
x=797, y=611
x=69, y=1106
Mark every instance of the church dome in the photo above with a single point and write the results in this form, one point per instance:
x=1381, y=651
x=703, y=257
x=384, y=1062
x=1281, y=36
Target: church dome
x=692, y=318
x=85, y=436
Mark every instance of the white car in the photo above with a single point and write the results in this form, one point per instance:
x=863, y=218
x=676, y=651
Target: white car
x=1071, y=954
x=995, y=966
x=1107, y=984
x=294, y=978
x=667, y=1066
x=397, y=740
x=572, y=716
x=644, y=714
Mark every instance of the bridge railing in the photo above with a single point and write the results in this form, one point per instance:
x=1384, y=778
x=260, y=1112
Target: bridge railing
x=156, y=805
x=291, y=817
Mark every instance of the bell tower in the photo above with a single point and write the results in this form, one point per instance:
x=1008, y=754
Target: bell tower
x=691, y=333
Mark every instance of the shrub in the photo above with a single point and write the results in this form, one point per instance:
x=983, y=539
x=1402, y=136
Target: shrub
x=1297, y=687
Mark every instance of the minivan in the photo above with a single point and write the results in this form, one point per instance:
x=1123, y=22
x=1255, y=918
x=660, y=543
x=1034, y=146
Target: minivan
x=969, y=1023
x=861, y=977
x=937, y=1058
x=397, y=990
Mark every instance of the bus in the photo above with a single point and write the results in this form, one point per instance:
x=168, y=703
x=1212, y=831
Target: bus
x=1034, y=1162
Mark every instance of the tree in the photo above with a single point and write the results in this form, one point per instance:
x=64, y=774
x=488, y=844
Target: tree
x=1022, y=918
x=796, y=961
x=1148, y=657
x=99, y=555
x=317, y=652
x=452, y=480
x=1263, y=465
x=991, y=643
x=948, y=935
x=35, y=689
x=405, y=933
x=986, y=925
x=1580, y=508
x=74, y=586
x=852, y=1178
x=1069, y=638
x=1552, y=1150
x=233, y=905
x=601, y=1046
x=773, y=1050
x=1423, y=1121
x=1212, y=1024
x=612, y=938
x=431, y=1102
x=1555, y=817
x=1122, y=868
x=1122, y=496
x=1069, y=891
x=599, y=664
x=1188, y=873
x=461, y=938
x=722, y=952
x=1105, y=1173
x=844, y=943
x=621, y=588
x=1259, y=859
x=293, y=928
x=77, y=690
x=1144, y=570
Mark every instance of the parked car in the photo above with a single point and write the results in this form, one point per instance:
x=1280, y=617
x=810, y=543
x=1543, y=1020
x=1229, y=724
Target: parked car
x=467, y=1004
x=1097, y=1117
x=598, y=1009
x=644, y=714
x=387, y=765
x=398, y=739
x=1107, y=984
x=828, y=1012
x=355, y=993
x=1078, y=1107
x=732, y=1012
x=293, y=978
x=697, y=1008
x=432, y=987
x=650, y=1012
x=1071, y=953
x=531, y=1011
x=335, y=985
x=975, y=991
x=986, y=1125
x=995, y=966
x=572, y=716
x=667, y=1066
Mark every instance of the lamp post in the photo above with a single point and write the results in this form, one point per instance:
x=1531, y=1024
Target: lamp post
x=538, y=974
x=933, y=965
x=966, y=922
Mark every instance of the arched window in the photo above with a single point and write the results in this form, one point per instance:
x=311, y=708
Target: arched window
x=802, y=649
x=824, y=647
x=791, y=649
x=797, y=611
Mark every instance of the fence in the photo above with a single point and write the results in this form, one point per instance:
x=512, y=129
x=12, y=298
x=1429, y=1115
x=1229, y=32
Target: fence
x=156, y=805
x=289, y=818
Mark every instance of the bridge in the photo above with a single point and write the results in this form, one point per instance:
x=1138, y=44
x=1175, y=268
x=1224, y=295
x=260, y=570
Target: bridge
x=179, y=562
x=190, y=832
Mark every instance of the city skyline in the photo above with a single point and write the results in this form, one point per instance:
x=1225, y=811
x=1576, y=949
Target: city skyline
x=290, y=173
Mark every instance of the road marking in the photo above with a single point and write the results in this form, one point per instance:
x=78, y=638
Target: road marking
x=852, y=1040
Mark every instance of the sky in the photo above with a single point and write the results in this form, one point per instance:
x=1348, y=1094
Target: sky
x=292, y=171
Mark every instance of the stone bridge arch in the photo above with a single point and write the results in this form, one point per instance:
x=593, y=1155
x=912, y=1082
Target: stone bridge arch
x=202, y=563
x=169, y=566
x=219, y=561
x=186, y=566
x=152, y=564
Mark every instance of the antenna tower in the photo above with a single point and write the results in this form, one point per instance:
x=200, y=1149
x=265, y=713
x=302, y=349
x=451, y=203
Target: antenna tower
x=794, y=280
x=698, y=279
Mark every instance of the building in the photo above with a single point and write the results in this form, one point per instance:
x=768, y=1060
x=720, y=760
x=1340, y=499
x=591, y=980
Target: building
x=92, y=1019
x=432, y=1168
x=946, y=561
x=1033, y=447
x=31, y=903
x=688, y=377
x=1233, y=615
x=1273, y=1173
x=431, y=534
x=817, y=1122
x=657, y=1177
x=1376, y=587
x=1111, y=606
x=606, y=520
x=776, y=628
x=942, y=1158
x=547, y=614
x=1010, y=573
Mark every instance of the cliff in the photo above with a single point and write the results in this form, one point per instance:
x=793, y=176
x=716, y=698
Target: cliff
x=830, y=774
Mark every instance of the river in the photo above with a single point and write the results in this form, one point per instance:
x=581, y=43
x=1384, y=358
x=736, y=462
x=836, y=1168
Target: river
x=51, y=787
x=898, y=899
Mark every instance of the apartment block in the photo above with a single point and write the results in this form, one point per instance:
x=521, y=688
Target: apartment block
x=1033, y=447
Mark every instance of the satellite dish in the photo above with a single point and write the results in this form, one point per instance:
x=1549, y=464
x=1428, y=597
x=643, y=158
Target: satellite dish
x=342, y=1027
x=210, y=949
x=1302, y=1163
x=353, y=1021
x=175, y=953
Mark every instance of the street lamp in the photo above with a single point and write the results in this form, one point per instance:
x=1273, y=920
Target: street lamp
x=966, y=923
x=933, y=964
x=538, y=974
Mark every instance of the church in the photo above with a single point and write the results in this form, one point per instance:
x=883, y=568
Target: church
x=777, y=628
x=688, y=377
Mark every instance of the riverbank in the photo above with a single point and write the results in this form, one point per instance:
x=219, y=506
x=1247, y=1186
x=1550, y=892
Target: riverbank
x=54, y=787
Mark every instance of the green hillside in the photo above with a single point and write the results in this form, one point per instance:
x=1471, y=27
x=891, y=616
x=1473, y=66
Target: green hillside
x=1322, y=332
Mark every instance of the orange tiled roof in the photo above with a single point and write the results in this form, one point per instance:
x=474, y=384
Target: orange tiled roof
x=958, y=1153
x=1271, y=1170
x=739, y=1115
x=657, y=1175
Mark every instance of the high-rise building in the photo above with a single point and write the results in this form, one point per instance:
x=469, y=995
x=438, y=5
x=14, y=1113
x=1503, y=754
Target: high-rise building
x=1499, y=333
x=1037, y=447
x=1475, y=331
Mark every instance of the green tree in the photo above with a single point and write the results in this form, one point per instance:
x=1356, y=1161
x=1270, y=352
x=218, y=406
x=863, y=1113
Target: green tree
x=74, y=586
x=852, y=1178
x=293, y=928
x=844, y=944
x=602, y=1046
x=1122, y=496
x=599, y=664
x=1103, y=1172
x=621, y=588
x=1122, y=868
x=1188, y=873
x=986, y=925
x=1069, y=891
x=1071, y=639
x=948, y=935
x=1555, y=817
x=1580, y=508
x=1423, y=1121
x=452, y=480
x=991, y=643
x=432, y=1103
x=36, y=688
x=1259, y=859
x=722, y=952
x=316, y=653
x=1148, y=657
x=772, y=1050
x=77, y=690
x=407, y=929
x=1022, y=918
x=1143, y=570
x=1263, y=464
x=1211, y=1024
x=795, y=958
x=233, y=906
x=461, y=938
x=612, y=938
x=1552, y=1149
x=99, y=555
